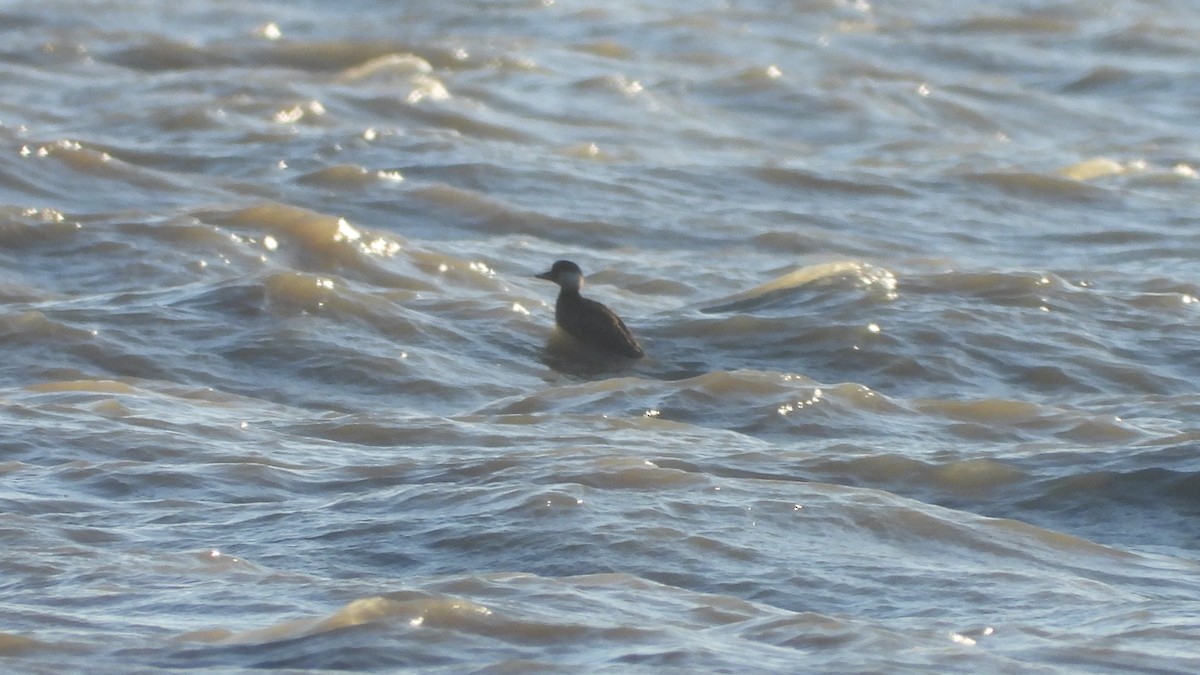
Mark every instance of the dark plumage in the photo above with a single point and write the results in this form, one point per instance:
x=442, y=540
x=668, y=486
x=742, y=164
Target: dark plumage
x=586, y=320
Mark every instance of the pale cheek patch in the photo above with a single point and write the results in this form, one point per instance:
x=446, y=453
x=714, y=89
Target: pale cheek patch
x=571, y=280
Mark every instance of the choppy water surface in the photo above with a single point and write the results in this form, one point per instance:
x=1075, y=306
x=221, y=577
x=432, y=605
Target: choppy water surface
x=918, y=283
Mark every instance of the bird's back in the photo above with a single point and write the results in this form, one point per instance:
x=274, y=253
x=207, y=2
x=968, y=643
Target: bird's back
x=594, y=324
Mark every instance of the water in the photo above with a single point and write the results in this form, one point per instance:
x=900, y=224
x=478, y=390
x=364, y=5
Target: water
x=918, y=285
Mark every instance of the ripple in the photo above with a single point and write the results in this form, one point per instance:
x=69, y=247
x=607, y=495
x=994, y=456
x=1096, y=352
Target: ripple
x=1039, y=186
x=279, y=391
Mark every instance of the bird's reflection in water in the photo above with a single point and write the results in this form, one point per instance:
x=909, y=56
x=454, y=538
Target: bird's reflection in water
x=566, y=355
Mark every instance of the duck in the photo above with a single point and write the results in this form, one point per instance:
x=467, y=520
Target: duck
x=589, y=322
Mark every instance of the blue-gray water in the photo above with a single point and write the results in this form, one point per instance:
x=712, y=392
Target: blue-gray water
x=918, y=283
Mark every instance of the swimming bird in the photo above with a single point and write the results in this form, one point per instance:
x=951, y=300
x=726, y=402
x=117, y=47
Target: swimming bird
x=588, y=321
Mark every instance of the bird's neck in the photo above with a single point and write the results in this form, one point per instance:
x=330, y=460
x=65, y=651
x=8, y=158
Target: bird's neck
x=567, y=297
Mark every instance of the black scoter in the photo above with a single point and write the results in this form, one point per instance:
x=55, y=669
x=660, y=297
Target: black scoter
x=588, y=321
